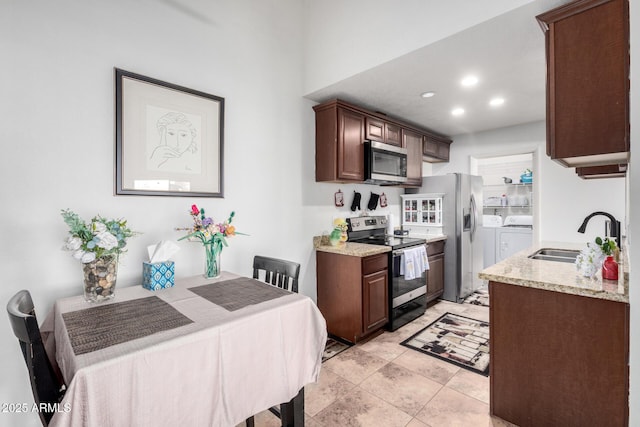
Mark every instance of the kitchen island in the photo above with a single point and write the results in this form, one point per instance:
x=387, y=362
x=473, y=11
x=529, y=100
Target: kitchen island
x=559, y=343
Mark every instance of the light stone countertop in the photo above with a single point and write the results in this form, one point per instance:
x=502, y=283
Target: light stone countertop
x=432, y=239
x=321, y=243
x=557, y=276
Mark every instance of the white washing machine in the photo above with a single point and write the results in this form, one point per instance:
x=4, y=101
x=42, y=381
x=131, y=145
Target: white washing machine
x=501, y=241
x=509, y=240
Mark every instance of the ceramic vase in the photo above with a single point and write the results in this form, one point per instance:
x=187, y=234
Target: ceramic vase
x=100, y=278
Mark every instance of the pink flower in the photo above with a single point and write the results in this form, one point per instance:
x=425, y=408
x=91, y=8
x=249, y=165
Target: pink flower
x=194, y=210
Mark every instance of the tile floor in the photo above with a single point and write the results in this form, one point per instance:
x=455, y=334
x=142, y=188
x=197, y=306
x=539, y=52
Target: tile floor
x=381, y=383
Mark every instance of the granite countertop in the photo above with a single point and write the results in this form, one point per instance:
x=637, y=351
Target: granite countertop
x=321, y=243
x=558, y=276
x=434, y=238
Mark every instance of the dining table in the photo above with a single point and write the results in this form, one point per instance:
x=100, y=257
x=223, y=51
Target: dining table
x=205, y=352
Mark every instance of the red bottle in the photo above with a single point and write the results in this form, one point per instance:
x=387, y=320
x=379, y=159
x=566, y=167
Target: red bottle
x=610, y=269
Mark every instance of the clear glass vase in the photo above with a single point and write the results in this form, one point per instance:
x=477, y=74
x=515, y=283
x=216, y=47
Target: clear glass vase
x=100, y=278
x=212, y=261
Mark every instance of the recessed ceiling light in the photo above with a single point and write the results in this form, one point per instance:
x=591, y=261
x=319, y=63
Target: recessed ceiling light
x=469, y=81
x=427, y=94
x=457, y=111
x=496, y=102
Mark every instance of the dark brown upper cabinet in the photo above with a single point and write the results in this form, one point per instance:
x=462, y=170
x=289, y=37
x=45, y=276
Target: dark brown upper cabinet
x=378, y=130
x=339, y=144
x=412, y=141
x=587, y=45
x=435, y=149
x=606, y=171
x=342, y=128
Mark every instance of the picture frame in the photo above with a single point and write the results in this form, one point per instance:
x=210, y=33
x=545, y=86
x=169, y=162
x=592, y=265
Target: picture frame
x=169, y=139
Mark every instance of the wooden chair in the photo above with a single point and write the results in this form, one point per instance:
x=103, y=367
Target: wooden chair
x=278, y=272
x=283, y=274
x=48, y=389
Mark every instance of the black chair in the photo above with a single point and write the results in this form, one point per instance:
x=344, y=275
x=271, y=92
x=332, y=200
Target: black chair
x=283, y=274
x=278, y=272
x=48, y=389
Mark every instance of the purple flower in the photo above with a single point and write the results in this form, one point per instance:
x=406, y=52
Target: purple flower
x=206, y=222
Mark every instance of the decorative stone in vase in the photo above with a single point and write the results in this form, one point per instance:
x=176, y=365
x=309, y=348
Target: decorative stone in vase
x=100, y=278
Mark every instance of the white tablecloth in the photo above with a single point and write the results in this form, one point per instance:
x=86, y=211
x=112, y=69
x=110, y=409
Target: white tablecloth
x=216, y=371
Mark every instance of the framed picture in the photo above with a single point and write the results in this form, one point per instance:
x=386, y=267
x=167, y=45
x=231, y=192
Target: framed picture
x=169, y=139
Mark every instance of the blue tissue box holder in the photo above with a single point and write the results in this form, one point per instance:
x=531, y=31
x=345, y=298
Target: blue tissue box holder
x=158, y=275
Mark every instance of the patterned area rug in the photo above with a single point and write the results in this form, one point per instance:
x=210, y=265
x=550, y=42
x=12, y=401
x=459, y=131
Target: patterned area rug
x=333, y=348
x=456, y=339
x=479, y=297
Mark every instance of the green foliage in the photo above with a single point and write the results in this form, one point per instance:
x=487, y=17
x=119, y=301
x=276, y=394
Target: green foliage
x=607, y=246
x=99, y=238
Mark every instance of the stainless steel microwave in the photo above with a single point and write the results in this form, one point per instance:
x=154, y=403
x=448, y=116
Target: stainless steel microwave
x=384, y=163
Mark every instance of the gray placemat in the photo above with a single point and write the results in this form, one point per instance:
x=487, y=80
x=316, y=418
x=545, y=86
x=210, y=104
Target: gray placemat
x=102, y=326
x=237, y=293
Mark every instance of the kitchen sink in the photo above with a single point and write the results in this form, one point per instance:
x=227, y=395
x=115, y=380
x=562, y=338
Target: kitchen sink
x=559, y=255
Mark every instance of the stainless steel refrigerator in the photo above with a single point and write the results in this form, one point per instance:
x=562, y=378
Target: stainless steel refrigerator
x=461, y=222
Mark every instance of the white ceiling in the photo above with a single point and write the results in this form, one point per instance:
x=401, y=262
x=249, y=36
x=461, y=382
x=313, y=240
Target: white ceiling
x=506, y=53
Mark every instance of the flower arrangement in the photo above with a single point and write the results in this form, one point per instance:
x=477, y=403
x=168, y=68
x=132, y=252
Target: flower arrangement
x=212, y=235
x=99, y=238
x=608, y=247
x=590, y=260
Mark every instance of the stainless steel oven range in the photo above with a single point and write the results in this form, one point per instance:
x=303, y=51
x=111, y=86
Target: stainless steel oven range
x=407, y=298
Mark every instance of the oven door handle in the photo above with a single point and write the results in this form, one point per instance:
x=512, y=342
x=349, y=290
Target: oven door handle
x=401, y=251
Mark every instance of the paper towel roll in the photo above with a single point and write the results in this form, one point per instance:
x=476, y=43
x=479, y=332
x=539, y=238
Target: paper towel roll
x=391, y=224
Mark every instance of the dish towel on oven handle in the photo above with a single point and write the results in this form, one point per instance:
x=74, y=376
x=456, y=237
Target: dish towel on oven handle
x=414, y=262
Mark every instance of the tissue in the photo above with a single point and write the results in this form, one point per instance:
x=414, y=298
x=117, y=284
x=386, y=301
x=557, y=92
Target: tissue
x=159, y=272
x=162, y=251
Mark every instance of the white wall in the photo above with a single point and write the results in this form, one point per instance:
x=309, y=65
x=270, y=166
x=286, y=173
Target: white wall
x=57, y=105
x=562, y=199
x=344, y=38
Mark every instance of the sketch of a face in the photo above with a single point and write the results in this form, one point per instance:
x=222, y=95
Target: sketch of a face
x=177, y=132
x=178, y=137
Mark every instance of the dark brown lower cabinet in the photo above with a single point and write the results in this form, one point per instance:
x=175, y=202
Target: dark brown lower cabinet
x=353, y=293
x=558, y=359
x=435, y=274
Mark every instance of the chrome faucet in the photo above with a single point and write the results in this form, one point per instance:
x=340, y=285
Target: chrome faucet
x=615, y=226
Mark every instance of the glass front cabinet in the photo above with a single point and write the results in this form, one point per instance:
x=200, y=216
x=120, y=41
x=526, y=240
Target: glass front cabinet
x=422, y=209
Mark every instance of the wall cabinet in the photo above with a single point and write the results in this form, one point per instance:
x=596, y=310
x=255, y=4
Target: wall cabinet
x=435, y=274
x=342, y=128
x=435, y=149
x=353, y=293
x=379, y=130
x=339, y=144
x=606, y=171
x=587, y=45
x=412, y=141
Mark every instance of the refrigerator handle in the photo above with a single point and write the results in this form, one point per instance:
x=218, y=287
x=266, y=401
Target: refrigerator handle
x=474, y=216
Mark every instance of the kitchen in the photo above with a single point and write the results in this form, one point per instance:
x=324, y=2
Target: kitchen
x=56, y=66
x=541, y=191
